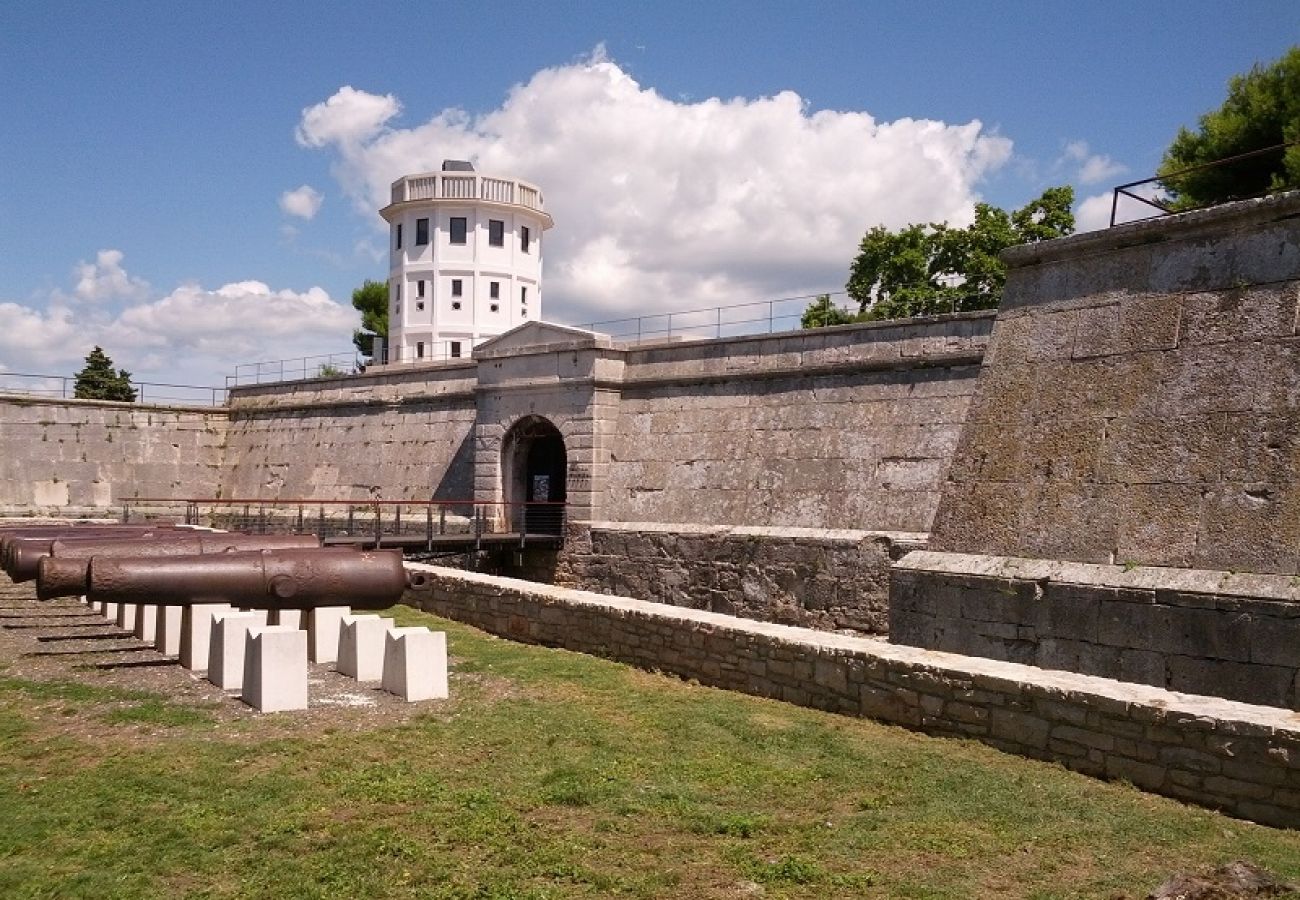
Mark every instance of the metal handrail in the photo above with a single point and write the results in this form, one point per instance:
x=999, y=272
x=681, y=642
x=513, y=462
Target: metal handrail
x=66, y=390
x=1163, y=208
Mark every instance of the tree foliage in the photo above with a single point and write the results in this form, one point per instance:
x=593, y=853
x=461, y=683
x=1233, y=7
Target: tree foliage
x=936, y=268
x=1262, y=110
x=371, y=300
x=98, y=381
x=822, y=312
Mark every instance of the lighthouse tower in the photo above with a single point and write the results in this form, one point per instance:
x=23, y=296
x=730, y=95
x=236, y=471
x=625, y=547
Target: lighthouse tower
x=465, y=260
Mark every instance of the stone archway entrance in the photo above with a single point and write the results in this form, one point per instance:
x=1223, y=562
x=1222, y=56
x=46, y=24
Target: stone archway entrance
x=534, y=471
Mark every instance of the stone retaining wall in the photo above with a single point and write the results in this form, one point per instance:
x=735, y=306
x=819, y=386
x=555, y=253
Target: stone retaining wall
x=82, y=457
x=1232, y=756
x=819, y=578
x=1219, y=633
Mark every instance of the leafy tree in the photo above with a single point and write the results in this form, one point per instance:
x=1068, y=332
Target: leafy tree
x=98, y=381
x=1262, y=110
x=822, y=312
x=371, y=299
x=936, y=268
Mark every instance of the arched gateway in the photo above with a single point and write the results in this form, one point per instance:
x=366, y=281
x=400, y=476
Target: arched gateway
x=534, y=471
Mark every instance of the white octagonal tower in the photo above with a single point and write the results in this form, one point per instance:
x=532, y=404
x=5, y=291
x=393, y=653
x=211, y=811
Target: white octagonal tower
x=465, y=260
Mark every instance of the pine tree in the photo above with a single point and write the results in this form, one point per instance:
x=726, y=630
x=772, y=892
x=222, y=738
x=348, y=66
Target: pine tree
x=97, y=381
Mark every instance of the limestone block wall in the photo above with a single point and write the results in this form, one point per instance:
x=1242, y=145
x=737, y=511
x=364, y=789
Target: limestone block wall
x=850, y=427
x=1140, y=399
x=402, y=434
x=84, y=456
x=1202, y=632
x=819, y=578
x=1233, y=756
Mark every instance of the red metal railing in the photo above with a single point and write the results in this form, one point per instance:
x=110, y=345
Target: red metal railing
x=372, y=522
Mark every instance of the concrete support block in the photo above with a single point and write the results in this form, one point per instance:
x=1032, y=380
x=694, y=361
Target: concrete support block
x=196, y=633
x=361, y=646
x=415, y=664
x=126, y=616
x=167, y=630
x=226, y=649
x=109, y=611
x=146, y=622
x=323, y=632
x=294, y=618
x=262, y=615
x=275, y=668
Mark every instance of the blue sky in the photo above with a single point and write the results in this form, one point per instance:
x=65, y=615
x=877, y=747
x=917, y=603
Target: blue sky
x=166, y=134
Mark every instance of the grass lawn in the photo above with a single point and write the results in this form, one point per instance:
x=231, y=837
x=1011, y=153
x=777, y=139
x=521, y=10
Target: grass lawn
x=552, y=774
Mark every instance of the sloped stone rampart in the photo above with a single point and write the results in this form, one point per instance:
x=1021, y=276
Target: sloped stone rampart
x=84, y=456
x=1139, y=402
x=1219, y=633
x=820, y=578
x=1237, y=757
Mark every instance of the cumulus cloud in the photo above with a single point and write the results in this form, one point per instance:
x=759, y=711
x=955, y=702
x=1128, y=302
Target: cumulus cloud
x=1091, y=167
x=303, y=202
x=664, y=204
x=105, y=279
x=192, y=335
x=349, y=116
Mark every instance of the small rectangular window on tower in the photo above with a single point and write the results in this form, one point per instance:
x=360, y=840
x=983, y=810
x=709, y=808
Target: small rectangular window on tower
x=523, y=294
x=494, y=290
x=419, y=349
x=496, y=233
x=419, y=288
x=456, y=287
x=397, y=240
x=457, y=229
x=421, y=232
x=455, y=349
x=525, y=238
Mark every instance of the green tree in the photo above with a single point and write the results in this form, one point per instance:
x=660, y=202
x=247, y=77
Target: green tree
x=98, y=381
x=1262, y=110
x=822, y=312
x=936, y=268
x=371, y=300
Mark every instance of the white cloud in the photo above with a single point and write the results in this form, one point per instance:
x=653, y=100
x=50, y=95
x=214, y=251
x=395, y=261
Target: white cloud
x=665, y=204
x=192, y=335
x=349, y=116
x=1092, y=167
x=303, y=202
x=105, y=279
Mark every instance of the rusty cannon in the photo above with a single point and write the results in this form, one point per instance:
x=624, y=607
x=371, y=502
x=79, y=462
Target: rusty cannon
x=18, y=554
x=63, y=572
x=263, y=579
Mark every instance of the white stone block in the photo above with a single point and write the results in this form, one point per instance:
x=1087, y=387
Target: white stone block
x=361, y=646
x=126, y=616
x=415, y=664
x=146, y=622
x=294, y=618
x=323, y=632
x=109, y=611
x=196, y=633
x=167, y=630
x=261, y=614
x=275, y=668
x=226, y=649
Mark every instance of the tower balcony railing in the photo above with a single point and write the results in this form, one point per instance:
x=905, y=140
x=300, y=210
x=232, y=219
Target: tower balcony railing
x=466, y=186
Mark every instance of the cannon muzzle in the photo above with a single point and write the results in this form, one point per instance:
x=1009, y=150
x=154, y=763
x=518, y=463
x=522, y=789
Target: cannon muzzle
x=264, y=579
x=24, y=554
x=63, y=572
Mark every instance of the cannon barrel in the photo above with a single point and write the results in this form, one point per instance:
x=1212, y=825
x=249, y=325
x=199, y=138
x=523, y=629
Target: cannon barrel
x=263, y=579
x=63, y=572
x=24, y=554
x=9, y=535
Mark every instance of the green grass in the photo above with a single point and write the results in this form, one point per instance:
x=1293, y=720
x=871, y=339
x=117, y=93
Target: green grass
x=552, y=774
